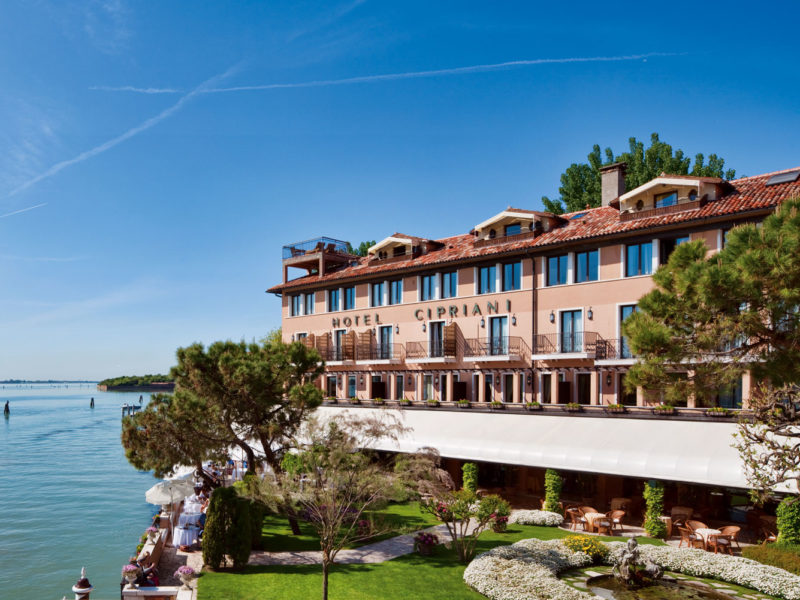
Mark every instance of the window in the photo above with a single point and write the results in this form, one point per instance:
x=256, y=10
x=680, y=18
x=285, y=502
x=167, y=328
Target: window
x=487, y=280
x=586, y=266
x=557, y=267
x=301, y=336
x=333, y=300
x=338, y=345
x=498, y=336
x=376, y=294
x=427, y=289
x=624, y=346
x=668, y=199
x=638, y=259
x=349, y=298
x=385, y=342
x=310, y=304
x=668, y=247
x=513, y=229
x=730, y=396
x=396, y=292
x=450, y=284
x=512, y=276
x=351, y=386
x=296, y=305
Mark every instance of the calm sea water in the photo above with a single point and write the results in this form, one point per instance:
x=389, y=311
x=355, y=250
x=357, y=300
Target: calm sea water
x=68, y=496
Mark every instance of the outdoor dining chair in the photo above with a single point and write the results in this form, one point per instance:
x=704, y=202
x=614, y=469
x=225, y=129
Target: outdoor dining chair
x=575, y=519
x=691, y=540
x=616, y=517
x=696, y=525
x=719, y=543
x=732, y=532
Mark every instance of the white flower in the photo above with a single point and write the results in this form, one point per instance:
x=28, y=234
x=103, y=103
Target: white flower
x=536, y=517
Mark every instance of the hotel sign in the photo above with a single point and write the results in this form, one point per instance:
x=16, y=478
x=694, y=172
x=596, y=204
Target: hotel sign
x=451, y=311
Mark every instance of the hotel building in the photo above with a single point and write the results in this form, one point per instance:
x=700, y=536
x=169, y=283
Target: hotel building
x=527, y=307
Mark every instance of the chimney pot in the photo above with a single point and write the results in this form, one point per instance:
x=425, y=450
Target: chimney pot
x=612, y=182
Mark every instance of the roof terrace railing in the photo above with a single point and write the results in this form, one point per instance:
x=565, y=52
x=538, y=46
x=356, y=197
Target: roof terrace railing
x=318, y=244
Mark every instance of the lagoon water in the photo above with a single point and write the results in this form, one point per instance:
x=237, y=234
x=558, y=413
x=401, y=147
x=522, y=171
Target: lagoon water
x=68, y=496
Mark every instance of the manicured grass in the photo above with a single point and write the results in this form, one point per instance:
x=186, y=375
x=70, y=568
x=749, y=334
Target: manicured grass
x=411, y=576
x=401, y=518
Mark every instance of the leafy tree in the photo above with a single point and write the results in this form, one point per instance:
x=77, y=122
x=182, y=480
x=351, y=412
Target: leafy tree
x=469, y=476
x=552, y=486
x=335, y=481
x=654, y=499
x=580, y=183
x=723, y=314
x=362, y=249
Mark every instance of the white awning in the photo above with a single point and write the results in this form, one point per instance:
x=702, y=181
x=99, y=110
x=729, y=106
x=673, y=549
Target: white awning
x=668, y=449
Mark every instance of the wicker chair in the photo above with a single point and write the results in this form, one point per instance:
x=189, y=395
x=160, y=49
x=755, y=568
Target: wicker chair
x=696, y=525
x=692, y=540
x=732, y=532
x=575, y=519
x=587, y=509
x=719, y=543
x=603, y=525
x=769, y=536
x=616, y=517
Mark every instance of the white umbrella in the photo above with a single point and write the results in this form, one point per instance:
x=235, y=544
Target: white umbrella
x=168, y=491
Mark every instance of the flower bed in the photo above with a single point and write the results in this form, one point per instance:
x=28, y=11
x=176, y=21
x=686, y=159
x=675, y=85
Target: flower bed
x=528, y=570
x=542, y=518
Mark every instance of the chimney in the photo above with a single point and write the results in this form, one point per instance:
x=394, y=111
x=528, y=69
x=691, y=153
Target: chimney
x=612, y=178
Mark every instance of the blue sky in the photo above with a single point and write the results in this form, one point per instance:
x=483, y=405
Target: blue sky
x=152, y=167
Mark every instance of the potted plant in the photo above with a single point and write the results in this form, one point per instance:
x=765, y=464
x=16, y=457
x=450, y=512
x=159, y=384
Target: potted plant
x=152, y=534
x=355, y=400
x=424, y=542
x=432, y=402
x=718, y=411
x=404, y=402
x=463, y=403
x=664, y=409
x=573, y=407
x=533, y=406
x=130, y=573
x=330, y=400
x=185, y=573
x=377, y=401
x=499, y=523
x=496, y=405
x=615, y=408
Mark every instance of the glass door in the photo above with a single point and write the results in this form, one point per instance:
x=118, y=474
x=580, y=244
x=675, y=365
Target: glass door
x=398, y=387
x=436, y=339
x=338, y=345
x=498, y=336
x=624, y=347
x=508, y=387
x=488, y=393
x=427, y=388
x=571, y=330
x=385, y=342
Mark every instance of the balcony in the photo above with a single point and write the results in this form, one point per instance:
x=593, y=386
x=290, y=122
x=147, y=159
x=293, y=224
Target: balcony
x=316, y=256
x=337, y=354
x=578, y=344
x=380, y=354
x=506, y=239
x=320, y=244
x=663, y=210
x=429, y=352
x=495, y=349
x=614, y=352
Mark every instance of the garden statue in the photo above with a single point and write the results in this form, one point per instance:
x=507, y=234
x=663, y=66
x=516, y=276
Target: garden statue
x=628, y=570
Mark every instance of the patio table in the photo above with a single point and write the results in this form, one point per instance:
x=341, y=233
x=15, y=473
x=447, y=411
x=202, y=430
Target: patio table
x=703, y=533
x=590, y=517
x=184, y=536
x=188, y=519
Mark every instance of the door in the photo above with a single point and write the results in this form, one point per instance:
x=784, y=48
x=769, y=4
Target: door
x=508, y=387
x=584, y=385
x=398, y=387
x=331, y=386
x=625, y=397
x=427, y=387
x=547, y=388
x=476, y=382
x=338, y=345
x=571, y=330
x=378, y=387
x=564, y=392
x=498, y=336
x=488, y=387
x=385, y=342
x=351, y=386
x=436, y=339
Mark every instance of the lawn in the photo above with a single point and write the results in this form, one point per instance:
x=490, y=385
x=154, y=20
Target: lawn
x=401, y=518
x=411, y=576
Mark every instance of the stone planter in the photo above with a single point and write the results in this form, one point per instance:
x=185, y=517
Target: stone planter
x=186, y=580
x=130, y=578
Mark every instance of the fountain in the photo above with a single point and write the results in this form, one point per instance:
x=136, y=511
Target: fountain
x=632, y=579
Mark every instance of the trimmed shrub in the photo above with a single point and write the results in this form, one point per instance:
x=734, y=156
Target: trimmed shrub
x=789, y=521
x=240, y=536
x=257, y=513
x=785, y=557
x=594, y=548
x=552, y=490
x=654, y=499
x=219, y=518
x=469, y=475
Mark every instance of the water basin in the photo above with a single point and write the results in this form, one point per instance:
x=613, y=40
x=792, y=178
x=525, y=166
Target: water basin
x=607, y=586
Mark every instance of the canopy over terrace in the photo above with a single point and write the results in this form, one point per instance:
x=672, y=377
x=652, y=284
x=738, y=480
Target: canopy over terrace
x=672, y=450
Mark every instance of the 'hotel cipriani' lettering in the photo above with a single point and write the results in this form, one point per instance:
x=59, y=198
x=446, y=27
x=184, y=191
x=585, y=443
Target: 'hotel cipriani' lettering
x=420, y=314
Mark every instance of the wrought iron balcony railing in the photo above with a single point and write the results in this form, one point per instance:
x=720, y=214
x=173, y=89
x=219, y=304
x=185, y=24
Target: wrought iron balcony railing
x=583, y=342
x=614, y=349
x=497, y=346
x=417, y=350
x=380, y=351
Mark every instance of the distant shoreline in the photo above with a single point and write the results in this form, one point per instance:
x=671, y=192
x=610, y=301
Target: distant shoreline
x=27, y=381
x=147, y=387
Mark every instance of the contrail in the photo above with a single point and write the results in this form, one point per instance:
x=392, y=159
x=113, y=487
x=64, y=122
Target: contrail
x=22, y=210
x=396, y=76
x=144, y=126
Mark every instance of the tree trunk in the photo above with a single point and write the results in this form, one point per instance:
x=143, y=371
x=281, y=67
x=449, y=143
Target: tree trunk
x=325, y=566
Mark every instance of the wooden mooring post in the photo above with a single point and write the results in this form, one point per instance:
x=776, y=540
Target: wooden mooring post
x=129, y=409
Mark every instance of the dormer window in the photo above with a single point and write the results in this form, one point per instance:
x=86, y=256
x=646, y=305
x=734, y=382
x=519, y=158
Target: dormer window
x=399, y=251
x=668, y=199
x=692, y=196
x=492, y=234
x=513, y=229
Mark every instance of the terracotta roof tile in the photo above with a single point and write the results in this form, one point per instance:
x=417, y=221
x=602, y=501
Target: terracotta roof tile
x=739, y=196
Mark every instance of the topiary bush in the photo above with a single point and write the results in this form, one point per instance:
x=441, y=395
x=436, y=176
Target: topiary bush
x=257, y=513
x=469, y=475
x=783, y=556
x=552, y=490
x=654, y=499
x=789, y=521
x=219, y=518
x=240, y=536
x=594, y=548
